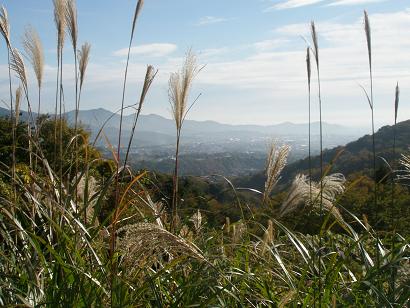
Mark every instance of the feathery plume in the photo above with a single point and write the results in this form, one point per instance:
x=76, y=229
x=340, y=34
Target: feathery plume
x=276, y=161
x=83, y=57
x=136, y=13
x=315, y=42
x=17, y=65
x=179, y=86
x=298, y=194
x=149, y=78
x=368, y=37
x=34, y=51
x=5, y=25
x=267, y=236
x=17, y=104
x=196, y=219
x=396, y=102
x=71, y=20
x=332, y=186
x=147, y=242
x=60, y=21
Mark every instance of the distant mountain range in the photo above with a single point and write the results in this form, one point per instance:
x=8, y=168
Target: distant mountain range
x=154, y=140
x=212, y=147
x=155, y=130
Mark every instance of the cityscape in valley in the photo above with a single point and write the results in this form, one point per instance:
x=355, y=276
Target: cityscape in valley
x=227, y=154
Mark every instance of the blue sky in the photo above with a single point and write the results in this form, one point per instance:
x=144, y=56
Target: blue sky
x=253, y=51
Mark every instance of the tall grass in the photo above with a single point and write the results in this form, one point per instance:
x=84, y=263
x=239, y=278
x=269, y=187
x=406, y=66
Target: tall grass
x=179, y=87
x=315, y=51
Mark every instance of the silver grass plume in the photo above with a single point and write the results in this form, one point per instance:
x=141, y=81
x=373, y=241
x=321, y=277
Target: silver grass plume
x=368, y=37
x=138, y=8
x=298, y=194
x=333, y=185
x=405, y=162
x=17, y=104
x=396, y=102
x=71, y=20
x=34, y=51
x=196, y=219
x=83, y=58
x=5, y=25
x=149, y=78
x=179, y=86
x=268, y=236
x=144, y=243
x=315, y=42
x=17, y=65
x=60, y=21
x=276, y=161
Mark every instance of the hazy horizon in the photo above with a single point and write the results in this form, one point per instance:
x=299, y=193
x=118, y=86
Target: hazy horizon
x=253, y=51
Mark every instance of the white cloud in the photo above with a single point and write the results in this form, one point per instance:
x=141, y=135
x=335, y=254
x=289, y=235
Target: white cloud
x=353, y=2
x=151, y=50
x=212, y=52
x=290, y=4
x=207, y=20
x=267, y=45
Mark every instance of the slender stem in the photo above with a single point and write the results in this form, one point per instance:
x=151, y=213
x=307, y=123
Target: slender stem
x=117, y=193
x=175, y=186
x=55, y=111
x=77, y=107
x=13, y=132
x=61, y=127
x=321, y=180
x=393, y=202
x=374, y=165
x=310, y=153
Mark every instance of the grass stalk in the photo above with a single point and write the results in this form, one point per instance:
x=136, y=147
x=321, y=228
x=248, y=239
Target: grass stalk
x=371, y=104
x=179, y=87
x=309, y=74
x=393, y=196
x=137, y=11
x=315, y=51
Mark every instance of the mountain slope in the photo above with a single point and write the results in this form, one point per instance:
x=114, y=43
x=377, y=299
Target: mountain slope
x=354, y=157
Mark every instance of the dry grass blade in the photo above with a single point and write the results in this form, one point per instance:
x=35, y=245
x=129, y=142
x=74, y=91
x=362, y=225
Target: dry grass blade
x=17, y=104
x=5, y=25
x=276, y=161
x=17, y=65
x=60, y=21
x=179, y=86
x=144, y=243
x=396, y=102
x=34, y=51
x=83, y=58
x=368, y=37
x=71, y=20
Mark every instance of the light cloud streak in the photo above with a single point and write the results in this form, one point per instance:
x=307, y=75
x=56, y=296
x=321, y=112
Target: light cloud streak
x=150, y=50
x=208, y=20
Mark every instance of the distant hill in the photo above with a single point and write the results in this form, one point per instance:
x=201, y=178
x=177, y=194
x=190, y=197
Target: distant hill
x=354, y=157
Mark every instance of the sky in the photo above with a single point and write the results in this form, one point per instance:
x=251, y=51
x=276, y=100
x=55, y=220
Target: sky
x=253, y=53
